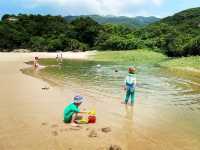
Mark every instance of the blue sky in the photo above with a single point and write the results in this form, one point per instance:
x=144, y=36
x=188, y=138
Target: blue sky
x=159, y=8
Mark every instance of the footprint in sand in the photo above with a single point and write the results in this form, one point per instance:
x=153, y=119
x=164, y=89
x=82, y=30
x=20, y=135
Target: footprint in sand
x=61, y=130
x=106, y=129
x=92, y=134
x=54, y=133
x=54, y=125
x=87, y=129
x=115, y=147
x=44, y=123
x=102, y=148
x=74, y=128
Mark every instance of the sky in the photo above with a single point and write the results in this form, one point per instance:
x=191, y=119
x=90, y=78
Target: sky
x=130, y=8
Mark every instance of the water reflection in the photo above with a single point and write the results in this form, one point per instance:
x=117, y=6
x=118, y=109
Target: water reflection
x=128, y=125
x=129, y=112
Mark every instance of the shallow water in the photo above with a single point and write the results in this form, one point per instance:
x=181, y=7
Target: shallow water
x=177, y=87
x=167, y=107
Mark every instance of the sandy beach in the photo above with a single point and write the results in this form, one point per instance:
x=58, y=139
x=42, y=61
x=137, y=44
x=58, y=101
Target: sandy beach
x=32, y=118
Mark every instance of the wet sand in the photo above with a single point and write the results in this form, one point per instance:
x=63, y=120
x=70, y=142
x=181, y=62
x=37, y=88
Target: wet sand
x=31, y=118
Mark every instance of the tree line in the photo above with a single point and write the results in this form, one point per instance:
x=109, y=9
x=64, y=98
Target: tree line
x=175, y=36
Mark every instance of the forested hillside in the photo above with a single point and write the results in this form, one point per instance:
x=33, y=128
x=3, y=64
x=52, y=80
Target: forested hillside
x=177, y=35
x=139, y=21
x=47, y=33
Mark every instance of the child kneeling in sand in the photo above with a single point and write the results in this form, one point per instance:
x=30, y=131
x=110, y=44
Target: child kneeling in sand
x=72, y=111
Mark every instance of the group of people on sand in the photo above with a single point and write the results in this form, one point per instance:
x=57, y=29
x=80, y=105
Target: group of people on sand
x=72, y=112
x=59, y=58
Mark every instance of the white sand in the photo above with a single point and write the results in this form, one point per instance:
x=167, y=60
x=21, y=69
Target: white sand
x=30, y=56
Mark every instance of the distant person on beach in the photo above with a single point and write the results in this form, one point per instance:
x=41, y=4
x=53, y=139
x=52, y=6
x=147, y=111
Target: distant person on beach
x=35, y=62
x=59, y=56
x=72, y=111
x=129, y=85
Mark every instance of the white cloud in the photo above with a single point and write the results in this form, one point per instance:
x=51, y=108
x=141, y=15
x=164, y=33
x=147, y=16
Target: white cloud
x=157, y=2
x=102, y=7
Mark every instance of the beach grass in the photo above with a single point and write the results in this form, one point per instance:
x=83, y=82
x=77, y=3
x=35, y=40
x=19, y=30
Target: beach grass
x=192, y=62
x=134, y=56
x=138, y=57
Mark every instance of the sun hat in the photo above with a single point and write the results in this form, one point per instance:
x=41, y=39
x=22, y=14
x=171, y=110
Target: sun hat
x=131, y=70
x=78, y=99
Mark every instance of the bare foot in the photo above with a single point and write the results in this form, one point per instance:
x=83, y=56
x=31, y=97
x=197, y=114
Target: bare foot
x=75, y=125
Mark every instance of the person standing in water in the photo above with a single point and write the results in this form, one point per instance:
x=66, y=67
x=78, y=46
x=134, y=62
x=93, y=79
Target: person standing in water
x=59, y=56
x=129, y=85
x=35, y=62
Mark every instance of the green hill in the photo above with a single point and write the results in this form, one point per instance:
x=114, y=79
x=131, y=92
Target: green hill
x=122, y=20
x=177, y=35
x=187, y=21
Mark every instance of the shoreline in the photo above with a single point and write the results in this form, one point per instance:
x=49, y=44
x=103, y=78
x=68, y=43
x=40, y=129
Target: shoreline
x=12, y=56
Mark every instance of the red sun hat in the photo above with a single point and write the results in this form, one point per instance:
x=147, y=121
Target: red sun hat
x=131, y=70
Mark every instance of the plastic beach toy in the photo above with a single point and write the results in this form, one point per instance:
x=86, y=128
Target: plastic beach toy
x=92, y=112
x=82, y=121
x=92, y=116
x=91, y=119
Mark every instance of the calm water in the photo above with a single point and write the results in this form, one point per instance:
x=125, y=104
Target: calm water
x=167, y=102
x=178, y=88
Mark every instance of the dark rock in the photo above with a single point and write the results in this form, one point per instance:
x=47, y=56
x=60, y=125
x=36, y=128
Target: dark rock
x=45, y=88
